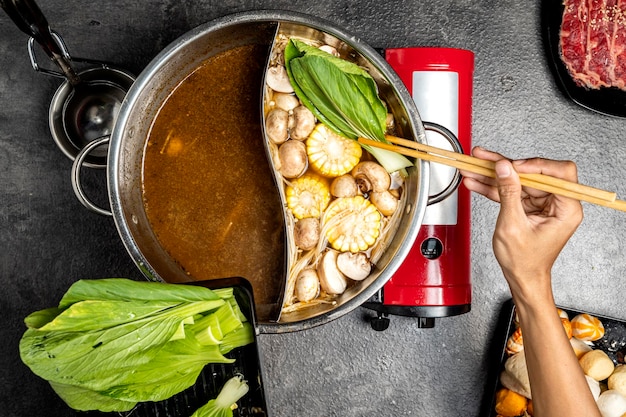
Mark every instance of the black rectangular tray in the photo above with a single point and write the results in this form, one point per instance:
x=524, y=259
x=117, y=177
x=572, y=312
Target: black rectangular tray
x=213, y=376
x=613, y=343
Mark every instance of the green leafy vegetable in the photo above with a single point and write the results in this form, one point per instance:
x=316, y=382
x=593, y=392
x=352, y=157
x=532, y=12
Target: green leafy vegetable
x=342, y=96
x=226, y=400
x=114, y=342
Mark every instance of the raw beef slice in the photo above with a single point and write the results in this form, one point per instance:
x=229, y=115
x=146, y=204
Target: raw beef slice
x=593, y=42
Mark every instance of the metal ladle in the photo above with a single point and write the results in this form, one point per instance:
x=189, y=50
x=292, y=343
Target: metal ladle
x=86, y=105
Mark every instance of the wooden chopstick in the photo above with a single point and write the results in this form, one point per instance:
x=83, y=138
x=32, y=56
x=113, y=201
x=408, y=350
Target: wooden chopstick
x=469, y=163
x=539, y=178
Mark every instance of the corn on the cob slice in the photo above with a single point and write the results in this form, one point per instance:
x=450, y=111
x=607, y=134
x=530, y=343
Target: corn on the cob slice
x=351, y=224
x=308, y=196
x=330, y=154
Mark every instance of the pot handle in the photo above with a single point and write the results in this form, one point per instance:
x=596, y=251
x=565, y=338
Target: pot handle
x=456, y=145
x=76, y=184
x=29, y=18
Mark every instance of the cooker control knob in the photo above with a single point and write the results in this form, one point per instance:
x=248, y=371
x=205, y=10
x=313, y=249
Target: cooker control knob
x=432, y=248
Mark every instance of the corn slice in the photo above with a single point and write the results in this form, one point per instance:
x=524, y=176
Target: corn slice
x=308, y=196
x=330, y=154
x=352, y=224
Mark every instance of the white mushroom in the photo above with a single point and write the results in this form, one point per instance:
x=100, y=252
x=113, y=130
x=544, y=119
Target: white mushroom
x=612, y=404
x=355, y=266
x=278, y=80
x=331, y=279
x=285, y=101
x=371, y=176
x=303, y=123
x=330, y=49
x=307, y=285
x=385, y=202
x=276, y=125
x=344, y=186
x=293, y=158
x=396, y=180
x=306, y=233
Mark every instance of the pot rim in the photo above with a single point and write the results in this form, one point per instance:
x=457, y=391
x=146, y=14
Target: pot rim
x=270, y=16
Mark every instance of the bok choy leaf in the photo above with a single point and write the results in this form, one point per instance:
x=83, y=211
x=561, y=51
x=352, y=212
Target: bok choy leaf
x=342, y=96
x=222, y=406
x=114, y=342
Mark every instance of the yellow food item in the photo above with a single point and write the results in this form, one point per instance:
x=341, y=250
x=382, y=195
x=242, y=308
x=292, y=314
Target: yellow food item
x=308, y=196
x=617, y=380
x=330, y=154
x=510, y=403
x=351, y=224
x=587, y=327
x=597, y=365
x=567, y=325
x=515, y=342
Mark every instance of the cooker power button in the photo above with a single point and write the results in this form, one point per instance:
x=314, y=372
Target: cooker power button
x=432, y=248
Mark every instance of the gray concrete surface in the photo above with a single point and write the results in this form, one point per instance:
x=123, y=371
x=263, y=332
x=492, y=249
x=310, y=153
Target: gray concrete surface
x=48, y=240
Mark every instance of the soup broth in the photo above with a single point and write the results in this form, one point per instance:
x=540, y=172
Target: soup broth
x=208, y=190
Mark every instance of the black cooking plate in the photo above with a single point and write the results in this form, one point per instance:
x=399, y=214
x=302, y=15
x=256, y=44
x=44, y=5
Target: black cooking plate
x=608, y=101
x=613, y=343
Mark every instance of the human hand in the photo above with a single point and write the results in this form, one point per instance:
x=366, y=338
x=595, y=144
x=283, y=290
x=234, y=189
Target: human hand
x=533, y=226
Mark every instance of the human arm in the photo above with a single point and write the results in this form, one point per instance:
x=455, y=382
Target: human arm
x=531, y=230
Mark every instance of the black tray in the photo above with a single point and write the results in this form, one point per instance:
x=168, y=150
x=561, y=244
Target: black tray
x=213, y=376
x=608, y=101
x=613, y=343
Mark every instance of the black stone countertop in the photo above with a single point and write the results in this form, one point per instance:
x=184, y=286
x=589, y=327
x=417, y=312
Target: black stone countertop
x=344, y=368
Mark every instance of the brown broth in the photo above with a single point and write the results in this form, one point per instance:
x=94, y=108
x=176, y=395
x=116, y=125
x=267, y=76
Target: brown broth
x=208, y=189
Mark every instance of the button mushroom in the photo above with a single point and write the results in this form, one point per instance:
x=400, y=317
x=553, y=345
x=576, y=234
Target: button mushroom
x=276, y=125
x=329, y=49
x=303, y=123
x=293, y=158
x=371, y=176
x=344, y=186
x=355, y=266
x=285, y=101
x=332, y=281
x=307, y=285
x=306, y=233
x=278, y=80
x=385, y=202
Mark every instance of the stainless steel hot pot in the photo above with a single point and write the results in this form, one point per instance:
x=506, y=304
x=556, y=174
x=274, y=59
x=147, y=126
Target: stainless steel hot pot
x=164, y=73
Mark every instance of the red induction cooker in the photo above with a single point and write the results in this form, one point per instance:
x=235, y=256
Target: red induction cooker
x=435, y=278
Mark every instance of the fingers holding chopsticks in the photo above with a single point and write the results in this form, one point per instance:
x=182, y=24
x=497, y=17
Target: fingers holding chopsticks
x=486, y=185
x=483, y=184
